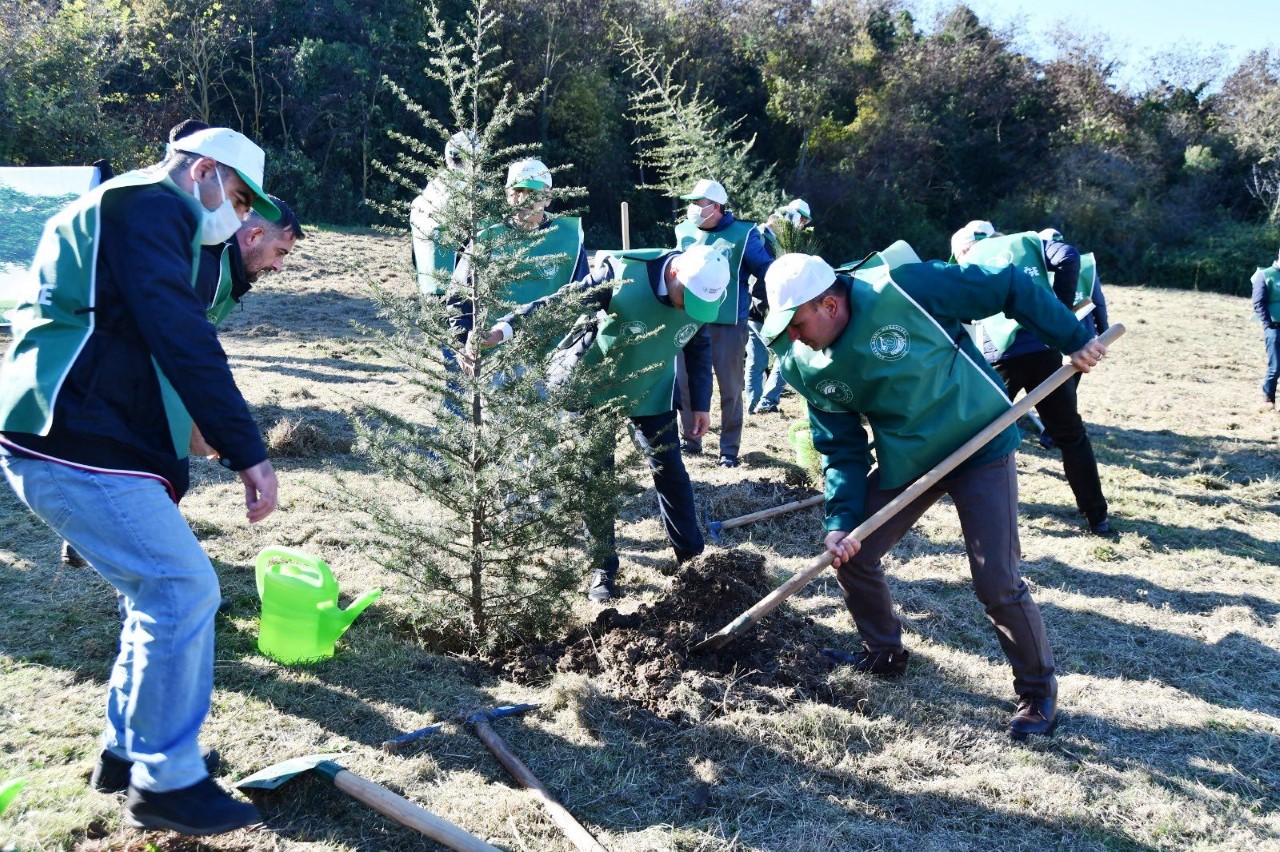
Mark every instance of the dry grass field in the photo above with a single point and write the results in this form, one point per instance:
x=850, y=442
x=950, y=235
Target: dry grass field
x=1167, y=636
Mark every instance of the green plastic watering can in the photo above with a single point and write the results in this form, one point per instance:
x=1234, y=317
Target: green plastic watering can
x=301, y=620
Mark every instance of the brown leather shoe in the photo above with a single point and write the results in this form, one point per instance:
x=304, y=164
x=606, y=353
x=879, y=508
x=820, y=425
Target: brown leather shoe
x=1037, y=714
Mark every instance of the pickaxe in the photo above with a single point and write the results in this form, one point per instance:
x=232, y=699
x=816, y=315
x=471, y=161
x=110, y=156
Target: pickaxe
x=766, y=605
x=714, y=528
x=479, y=721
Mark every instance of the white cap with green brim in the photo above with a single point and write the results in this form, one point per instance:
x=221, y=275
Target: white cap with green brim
x=963, y=239
x=235, y=151
x=792, y=280
x=529, y=174
x=1050, y=235
x=704, y=273
x=799, y=205
x=708, y=189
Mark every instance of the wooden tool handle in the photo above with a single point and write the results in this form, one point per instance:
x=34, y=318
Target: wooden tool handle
x=815, y=500
x=626, y=227
x=744, y=622
x=407, y=813
x=578, y=836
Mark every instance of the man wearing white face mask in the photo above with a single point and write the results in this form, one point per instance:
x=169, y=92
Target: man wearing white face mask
x=708, y=222
x=112, y=361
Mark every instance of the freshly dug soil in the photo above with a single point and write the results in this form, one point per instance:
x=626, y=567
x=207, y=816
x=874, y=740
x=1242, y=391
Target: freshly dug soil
x=644, y=657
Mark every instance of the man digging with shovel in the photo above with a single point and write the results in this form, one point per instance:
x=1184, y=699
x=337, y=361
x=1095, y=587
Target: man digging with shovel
x=888, y=345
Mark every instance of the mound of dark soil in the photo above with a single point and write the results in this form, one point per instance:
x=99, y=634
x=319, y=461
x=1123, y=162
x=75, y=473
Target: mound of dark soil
x=645, y=657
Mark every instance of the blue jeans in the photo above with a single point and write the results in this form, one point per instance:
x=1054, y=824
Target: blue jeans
x=130, y=530
x=1271, y=337
x=761, y=388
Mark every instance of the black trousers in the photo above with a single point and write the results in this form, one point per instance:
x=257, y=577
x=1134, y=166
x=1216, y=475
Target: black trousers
x=657, y=438
x=1062, y=422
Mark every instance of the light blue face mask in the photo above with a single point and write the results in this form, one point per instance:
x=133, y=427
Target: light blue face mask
x=221, y=223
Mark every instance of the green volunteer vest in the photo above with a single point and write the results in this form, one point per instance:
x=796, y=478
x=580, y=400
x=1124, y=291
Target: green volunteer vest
x=922, y=394
x=429, y=258
x=641, y=337
x=1272, y=276
x=1088, y=275
x=732, y=241
x=1023, y=250
x=222, y=303
x=550, y=261
x=52, y=324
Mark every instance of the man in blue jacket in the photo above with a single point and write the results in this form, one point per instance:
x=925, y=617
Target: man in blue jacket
x=1266, y=307
x=887, y=344
x=709, y=222
x=112, y=363
x=1027, y=362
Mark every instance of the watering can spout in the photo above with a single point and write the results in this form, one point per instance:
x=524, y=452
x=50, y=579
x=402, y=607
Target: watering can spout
x=334, y=621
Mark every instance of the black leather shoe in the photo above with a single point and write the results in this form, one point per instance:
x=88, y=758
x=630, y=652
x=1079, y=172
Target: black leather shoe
x=203, y=808
x=71, y=557
x=1037, y=715
x=111, y=775
x=601, y=588
x=879, y=663
x=1102, y=526
x=728, y=461
x=688, y=448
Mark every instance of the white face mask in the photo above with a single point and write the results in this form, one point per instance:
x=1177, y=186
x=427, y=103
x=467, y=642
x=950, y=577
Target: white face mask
x=221, y=223
x=694, y=213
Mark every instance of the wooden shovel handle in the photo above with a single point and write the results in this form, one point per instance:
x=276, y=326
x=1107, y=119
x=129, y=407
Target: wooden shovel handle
x=407, y=813
x=744, y=622
x=579, y=836
x=815, y=500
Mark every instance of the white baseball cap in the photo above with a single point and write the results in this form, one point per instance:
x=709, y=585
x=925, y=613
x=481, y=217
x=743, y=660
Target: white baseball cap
x=790, y=281
x=529, y=174
x=708, y=189
x=463, y=141
x=963, y=239
x=704, y=272
x=799, y=205
x=1050, y=235
x=235, y=151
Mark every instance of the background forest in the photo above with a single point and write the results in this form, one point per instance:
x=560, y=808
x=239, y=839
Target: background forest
x=890, y=127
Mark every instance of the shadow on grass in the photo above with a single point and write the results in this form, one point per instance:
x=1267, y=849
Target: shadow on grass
x=321, y=369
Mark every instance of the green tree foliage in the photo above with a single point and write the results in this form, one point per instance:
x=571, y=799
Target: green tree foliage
x=510, y=476
x=890, y=130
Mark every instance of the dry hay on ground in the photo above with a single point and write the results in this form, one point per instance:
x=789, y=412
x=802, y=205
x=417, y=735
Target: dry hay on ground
x=645, y=657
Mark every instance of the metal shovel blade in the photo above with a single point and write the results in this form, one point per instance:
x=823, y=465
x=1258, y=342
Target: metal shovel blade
x=278, y=773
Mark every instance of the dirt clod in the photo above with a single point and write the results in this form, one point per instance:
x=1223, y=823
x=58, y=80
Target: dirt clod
x=644, y=657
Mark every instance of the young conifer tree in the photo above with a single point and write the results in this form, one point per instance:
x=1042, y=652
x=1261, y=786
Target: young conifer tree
x=686, y=137
x=503, y=475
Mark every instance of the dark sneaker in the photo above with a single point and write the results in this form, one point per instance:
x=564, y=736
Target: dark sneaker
x=879, y=663
x=766, y=407
x=1036, y=716
x=728, y=461
x=71, y=557
x=203, y=808
x=111, y=775
x=1102, y=526
x=689, y=448
x=601, y=588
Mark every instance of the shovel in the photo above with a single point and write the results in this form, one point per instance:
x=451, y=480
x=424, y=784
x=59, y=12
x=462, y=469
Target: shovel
x=767, y=604
x=374, y=795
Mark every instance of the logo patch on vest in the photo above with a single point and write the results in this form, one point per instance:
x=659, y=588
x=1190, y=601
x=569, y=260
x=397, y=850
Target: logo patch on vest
x=634, y=328
x=835, y=390
x=891, y=343
x=686, y=334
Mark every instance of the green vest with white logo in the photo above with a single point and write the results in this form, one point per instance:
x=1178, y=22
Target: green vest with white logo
x=1023, y=250
x=1088, y=275
x=641, y=337
x=56, y=318
x=922, y=394
x=1272, y=276
x=549, y=263
x=222, y=303
x=732, y=242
